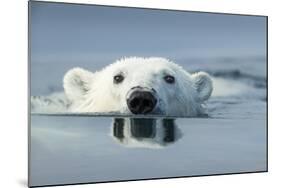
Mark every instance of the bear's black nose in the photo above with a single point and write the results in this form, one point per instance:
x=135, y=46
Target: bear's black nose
x=141, y=102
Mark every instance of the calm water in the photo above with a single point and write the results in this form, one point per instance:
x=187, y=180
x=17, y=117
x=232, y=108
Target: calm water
x=95, y=149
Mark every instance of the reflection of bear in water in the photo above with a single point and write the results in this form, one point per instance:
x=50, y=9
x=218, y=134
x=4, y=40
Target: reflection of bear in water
x=146, y=133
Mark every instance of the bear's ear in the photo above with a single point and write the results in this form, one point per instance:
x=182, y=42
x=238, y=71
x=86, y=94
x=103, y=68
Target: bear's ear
x=76, y=83
x=203, y=85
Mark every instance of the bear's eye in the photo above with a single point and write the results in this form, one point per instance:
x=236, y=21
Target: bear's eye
x=169, y=79
x=118, y=78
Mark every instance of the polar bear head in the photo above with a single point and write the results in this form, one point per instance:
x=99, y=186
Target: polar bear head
x=138, y=86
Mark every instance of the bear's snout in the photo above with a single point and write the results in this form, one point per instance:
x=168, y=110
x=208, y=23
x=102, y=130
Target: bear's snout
x=141, y=100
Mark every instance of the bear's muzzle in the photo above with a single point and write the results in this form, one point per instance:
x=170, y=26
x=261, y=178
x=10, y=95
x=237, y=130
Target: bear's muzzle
x=141, y=100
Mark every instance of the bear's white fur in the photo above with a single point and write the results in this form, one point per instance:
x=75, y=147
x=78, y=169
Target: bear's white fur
x=96, y=92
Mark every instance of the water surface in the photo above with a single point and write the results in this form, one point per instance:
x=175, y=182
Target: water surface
x=90, y=149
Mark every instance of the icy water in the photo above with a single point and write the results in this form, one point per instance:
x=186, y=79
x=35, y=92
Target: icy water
x=96, y=149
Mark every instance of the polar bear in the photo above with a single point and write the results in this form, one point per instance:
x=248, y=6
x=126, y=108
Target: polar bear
x=137, y=85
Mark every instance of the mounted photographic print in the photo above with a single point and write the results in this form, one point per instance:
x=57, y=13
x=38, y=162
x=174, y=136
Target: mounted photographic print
x=121, y=94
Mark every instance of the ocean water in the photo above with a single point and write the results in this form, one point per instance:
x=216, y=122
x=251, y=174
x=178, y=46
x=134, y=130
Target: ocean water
x=232, y=139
